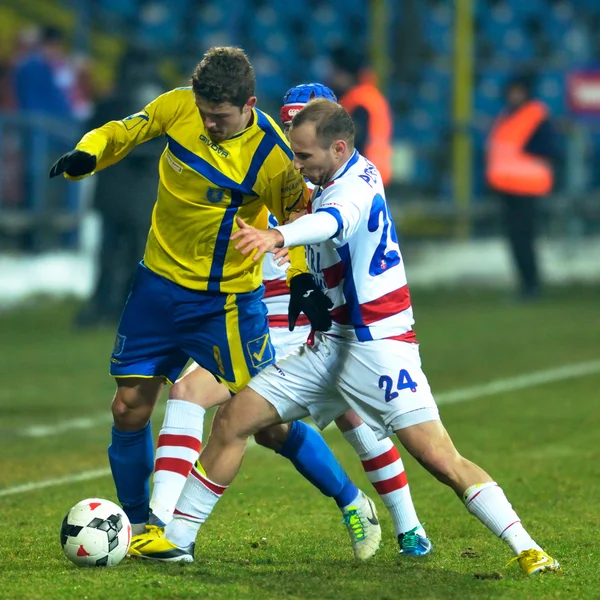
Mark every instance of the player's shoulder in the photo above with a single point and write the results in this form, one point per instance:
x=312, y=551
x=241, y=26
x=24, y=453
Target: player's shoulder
x=178, y=97
x=274, y=136
x=358, y=178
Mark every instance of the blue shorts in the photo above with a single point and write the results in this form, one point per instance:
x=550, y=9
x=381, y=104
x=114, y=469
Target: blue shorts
x=164, y=324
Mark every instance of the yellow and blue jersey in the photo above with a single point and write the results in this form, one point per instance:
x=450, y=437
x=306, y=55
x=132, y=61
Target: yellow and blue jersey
x=203, y=187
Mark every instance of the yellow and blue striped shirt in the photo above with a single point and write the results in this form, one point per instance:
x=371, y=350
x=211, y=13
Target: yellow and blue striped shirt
x=203, y=187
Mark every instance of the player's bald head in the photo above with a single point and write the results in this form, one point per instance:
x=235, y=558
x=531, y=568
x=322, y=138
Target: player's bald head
x=330, y=120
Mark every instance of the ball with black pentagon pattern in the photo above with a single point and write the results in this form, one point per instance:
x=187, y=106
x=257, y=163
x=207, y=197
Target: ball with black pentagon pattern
x=95, y=533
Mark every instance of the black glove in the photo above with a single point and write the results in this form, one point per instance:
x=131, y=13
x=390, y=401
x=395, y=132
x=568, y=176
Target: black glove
x=74, y=163
x=306, y=297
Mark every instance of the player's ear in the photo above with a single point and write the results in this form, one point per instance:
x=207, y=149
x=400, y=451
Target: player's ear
x=339, y=147
x=250, y=104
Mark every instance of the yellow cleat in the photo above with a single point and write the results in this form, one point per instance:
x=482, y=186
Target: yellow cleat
x=534, y=562
x=155, y=546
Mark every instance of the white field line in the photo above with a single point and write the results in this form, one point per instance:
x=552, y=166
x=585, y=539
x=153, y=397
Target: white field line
x=519, y=382
x=498, y=386
x=40, y=485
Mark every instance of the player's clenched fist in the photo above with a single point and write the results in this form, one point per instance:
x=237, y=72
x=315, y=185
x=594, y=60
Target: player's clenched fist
x=261, y=240
x=75, y=163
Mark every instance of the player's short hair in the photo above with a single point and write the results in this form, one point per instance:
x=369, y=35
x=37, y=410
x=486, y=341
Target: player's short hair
x=332, y=121
x=225, y=74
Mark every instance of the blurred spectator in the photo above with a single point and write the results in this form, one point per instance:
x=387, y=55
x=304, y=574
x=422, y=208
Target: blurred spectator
x=7, y=100
x=44, y=78
x=520, y=148
x=47, y=91
x=354, y=84
x=124, y=194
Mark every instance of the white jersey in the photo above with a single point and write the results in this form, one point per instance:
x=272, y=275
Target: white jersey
x=277, y=292
x=360, y=268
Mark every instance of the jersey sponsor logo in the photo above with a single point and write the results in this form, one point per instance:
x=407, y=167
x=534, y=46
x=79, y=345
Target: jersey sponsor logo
x=291, y=207
x=214, y=195
x=132, y=121
x=293, y=186
x=214, y=147
x=174, y=165
x=260, y=351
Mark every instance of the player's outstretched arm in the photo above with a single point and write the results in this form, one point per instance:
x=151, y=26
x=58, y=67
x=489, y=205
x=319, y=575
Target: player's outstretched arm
x=260, y=241
x=108, y=144
x=309, y=229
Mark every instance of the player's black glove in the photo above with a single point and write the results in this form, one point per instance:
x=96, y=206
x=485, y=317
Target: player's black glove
x=306, y=297
x=74, y=163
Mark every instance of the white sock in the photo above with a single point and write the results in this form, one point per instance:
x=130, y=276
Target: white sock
x=194, y=506
x=385, y=470
x=488, y=503
x=179, y=444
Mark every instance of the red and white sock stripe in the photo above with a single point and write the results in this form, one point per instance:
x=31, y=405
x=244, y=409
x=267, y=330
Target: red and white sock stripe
x=215, y=488
x=385, y=470
x=176, y=453
x=198, y=497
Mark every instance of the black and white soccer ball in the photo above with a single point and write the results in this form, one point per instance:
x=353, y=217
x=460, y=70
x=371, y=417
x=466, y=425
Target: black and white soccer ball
x=95, y=533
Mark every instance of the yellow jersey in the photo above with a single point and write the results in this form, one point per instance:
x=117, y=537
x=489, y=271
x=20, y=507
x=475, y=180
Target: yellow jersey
x=203, y=187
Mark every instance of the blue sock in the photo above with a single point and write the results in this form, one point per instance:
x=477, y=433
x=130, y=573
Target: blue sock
x=131, y=456
x=314, y=460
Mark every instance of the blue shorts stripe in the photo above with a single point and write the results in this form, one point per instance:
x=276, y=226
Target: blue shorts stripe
x=222, y=242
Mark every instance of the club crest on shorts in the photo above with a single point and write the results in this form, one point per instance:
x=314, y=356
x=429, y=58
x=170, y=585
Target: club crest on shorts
x=214, y=195
x=119, y=344
x=260, y=351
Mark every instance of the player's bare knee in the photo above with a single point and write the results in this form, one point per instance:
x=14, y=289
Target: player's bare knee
x=348, y=421
x=273, y=437
x=199, y=387
x=130, y=416
x=134, y=402
x=185, y=389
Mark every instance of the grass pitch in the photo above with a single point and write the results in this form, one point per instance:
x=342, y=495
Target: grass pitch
x=273, y=536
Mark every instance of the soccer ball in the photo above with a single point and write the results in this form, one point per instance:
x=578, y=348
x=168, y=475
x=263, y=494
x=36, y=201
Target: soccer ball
x=95, y=533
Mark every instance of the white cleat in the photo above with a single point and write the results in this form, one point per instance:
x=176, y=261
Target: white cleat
x=362, y=523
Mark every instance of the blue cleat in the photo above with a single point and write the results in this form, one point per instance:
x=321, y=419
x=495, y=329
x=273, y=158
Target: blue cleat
x=413, y=544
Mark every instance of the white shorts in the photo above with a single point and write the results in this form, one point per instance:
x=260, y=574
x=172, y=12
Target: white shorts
x=285, y=341
x=381, y=380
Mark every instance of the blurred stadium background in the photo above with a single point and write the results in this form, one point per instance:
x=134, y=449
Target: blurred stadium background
x=441, y=64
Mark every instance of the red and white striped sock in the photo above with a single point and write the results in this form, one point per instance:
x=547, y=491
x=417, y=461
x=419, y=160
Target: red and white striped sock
x=194, y=506
x=488, y=503
x=385, y=470
x=179, y=444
